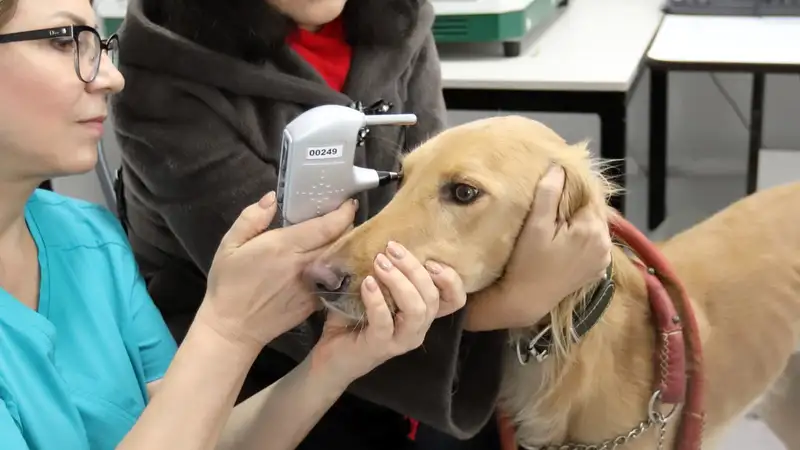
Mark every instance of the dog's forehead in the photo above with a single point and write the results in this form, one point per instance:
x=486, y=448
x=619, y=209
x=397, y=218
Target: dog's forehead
x=461, y=142
x=498, y=144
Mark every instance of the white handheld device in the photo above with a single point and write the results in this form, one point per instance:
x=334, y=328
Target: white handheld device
x=316, y=173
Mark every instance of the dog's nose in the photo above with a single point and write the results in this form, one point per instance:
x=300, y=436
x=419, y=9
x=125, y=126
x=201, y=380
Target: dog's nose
x=328, y=280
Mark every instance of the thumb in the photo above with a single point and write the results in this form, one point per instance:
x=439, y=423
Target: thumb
x=336, y=321
x=337, y=324
x=544, y=211
x=251, y=222
x=320, y=231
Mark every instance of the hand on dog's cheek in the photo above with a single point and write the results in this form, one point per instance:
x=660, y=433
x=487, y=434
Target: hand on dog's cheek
x=452, y=295
x=501, y=306
x=549, y=261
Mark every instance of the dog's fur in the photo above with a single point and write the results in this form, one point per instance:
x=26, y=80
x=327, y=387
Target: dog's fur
x=741, y=268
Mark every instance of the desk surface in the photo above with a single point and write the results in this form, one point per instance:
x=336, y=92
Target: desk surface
x=595, y=45
x=727, y=40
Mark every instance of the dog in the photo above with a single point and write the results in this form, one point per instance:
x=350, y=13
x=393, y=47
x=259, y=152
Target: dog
x=464, y=198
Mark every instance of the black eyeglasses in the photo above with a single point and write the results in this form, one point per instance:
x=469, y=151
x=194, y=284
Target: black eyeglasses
x=88, y=46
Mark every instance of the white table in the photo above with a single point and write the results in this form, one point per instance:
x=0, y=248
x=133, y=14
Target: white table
x=736, y=41
x=757, y=45
x=587, y=61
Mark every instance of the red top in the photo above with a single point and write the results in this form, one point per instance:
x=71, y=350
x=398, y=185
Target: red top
x=326, y=50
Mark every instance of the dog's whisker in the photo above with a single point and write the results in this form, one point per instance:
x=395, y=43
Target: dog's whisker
x=331, y=307
x=362, y=322
x=343, y=294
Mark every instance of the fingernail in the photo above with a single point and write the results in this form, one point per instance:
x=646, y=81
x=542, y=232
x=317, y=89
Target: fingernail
x=383, y=262
x=433, y=267
x=267, y=200
x=554, y=169
x=355, y=202
x=395, y=249
x=370, y=283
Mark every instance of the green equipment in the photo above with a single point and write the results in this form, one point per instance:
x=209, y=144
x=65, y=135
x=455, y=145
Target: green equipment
x=480, y=21
x=111, y=12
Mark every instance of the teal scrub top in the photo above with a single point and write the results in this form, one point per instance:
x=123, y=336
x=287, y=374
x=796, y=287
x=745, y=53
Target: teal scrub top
x=73, y=374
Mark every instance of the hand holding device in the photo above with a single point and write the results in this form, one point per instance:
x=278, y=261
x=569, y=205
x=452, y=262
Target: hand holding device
x=255, y=290
x=316, y=172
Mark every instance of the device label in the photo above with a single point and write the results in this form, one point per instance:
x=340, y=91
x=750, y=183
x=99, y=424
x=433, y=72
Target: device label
x=325, y=152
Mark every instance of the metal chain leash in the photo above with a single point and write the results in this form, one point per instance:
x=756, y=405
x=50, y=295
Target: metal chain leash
x=612, y=444
x=654, y=416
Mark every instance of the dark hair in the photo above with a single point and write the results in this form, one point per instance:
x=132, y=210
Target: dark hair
x=252, y=30
x=245, y=29
x=7, y=8
x=380, y=22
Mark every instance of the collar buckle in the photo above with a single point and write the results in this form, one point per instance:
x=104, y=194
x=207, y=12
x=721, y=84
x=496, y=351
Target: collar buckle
x=539, y=351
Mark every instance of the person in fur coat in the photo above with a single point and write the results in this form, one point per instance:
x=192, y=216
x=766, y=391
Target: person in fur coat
x=210, y=86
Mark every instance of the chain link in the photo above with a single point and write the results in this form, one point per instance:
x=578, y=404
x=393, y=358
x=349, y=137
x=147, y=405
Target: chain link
x=612, y=444
x=662, y=435
x=654, y=417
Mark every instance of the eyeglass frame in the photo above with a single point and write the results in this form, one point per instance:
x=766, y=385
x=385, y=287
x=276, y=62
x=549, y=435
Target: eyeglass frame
x=72, y=31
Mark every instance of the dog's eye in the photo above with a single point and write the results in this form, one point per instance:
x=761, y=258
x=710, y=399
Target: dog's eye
x=463, y=193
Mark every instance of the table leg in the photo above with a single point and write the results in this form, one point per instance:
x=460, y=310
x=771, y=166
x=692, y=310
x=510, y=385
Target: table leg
x=756, y=129
x=613, y=140
x=657, y=178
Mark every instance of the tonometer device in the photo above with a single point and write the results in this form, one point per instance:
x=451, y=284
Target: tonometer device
x=316, y=172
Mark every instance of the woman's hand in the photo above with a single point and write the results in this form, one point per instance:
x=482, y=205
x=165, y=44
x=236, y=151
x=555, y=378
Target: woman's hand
x=346, y=355
x=452, y=296
x=550, y=261
x=255, y=291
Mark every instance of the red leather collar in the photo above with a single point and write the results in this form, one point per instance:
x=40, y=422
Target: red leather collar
x=690, y=430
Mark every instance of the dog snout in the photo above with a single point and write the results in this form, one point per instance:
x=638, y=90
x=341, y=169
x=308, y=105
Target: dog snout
x=328, y=280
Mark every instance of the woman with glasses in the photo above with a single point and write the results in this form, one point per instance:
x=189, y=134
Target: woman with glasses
x=86, y=360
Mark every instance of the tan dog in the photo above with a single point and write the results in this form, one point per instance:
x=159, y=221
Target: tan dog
x=465, y=196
